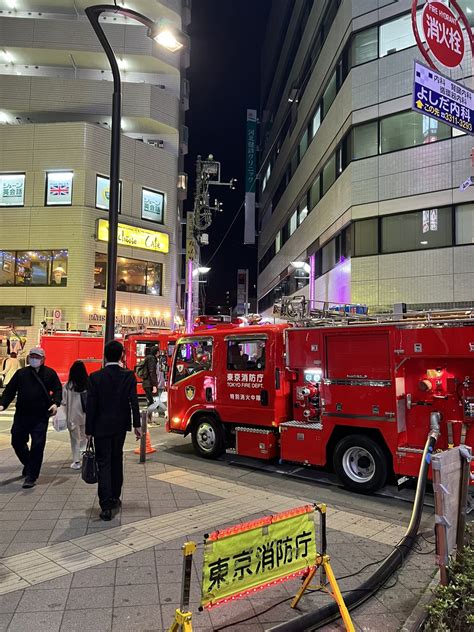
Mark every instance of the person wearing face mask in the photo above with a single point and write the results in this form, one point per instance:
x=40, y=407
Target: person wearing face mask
x=38, y=394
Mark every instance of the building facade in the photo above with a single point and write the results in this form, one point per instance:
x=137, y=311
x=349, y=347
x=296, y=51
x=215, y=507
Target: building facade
x=349, y=173
x=55, y=106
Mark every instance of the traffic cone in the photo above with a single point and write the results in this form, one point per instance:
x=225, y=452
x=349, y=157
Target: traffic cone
x=149, y=449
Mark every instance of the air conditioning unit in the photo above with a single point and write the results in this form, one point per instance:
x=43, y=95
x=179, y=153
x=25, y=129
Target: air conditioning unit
x=157, y=143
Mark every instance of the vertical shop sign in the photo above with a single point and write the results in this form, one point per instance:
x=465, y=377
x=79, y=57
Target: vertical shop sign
x=250, y=176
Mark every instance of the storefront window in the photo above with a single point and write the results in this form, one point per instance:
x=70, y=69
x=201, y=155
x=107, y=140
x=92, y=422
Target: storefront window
x=364, y=46
x=131, y=275
x=153, y=279
x=32, y=267
x=137, y=277
x=329, y=256
x=409, y=129
x=7, y=267
x=58, y=275
x=430, y=228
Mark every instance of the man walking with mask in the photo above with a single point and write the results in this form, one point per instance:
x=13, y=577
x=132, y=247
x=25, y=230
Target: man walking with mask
x=38, y=394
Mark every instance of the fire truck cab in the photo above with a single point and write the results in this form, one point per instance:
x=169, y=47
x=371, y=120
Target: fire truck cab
x=356, y=398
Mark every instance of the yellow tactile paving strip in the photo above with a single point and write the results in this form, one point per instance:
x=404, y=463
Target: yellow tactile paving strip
x=238, y=501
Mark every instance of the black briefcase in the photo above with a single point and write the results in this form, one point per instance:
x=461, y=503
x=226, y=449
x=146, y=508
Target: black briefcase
x=89, y=465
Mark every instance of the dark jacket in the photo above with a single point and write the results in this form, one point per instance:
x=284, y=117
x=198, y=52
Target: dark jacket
x=151, y=363
x=111, y=402
x=31, y=399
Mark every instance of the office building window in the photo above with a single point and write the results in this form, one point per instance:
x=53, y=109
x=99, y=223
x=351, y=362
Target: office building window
x=364, y=140
x=34, y=268
x=364, y=46
x=430, y=228
x=329, y=256
x=293, y=164
x=12, y=189
x=303, y=144
x=366, y=237
x=293, y=223
x=465, y=224
x=134, y=276
x=315, y=122
x=329, y=173
x=315, y=192
x=329, y=94
x=278, y=242
x=267, y=175
x=396, y=35
x=408, y=129
x=302, y=212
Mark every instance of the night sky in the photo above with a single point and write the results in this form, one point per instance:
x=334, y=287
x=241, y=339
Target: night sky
x=224, y=80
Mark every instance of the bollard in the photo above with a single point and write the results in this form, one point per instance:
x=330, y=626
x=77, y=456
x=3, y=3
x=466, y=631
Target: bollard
x=143, y=437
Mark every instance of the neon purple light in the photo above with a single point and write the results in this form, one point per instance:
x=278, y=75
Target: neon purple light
x=189, y=304
x=312, y=280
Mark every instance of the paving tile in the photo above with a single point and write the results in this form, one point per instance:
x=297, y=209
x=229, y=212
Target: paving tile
x=9, y=602
x=43, y=600
x=94, y=577
x=128, y=618
x=129, y=575
x=53, y=584
x=36, y=621
x=136, y=595
x=90, y=620
x=143, y=558
x=5, y=621
x=82, y=598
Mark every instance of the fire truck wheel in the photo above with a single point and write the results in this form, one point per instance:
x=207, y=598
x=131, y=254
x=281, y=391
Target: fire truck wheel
x=208, y=438
x=360, y=463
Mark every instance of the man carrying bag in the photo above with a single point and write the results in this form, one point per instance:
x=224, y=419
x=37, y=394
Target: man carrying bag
x=112, y=403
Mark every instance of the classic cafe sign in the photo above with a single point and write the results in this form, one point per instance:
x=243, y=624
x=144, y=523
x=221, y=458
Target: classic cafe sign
x=135, y=237
x=443, y=36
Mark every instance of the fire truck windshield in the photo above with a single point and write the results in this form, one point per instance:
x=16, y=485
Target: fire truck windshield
x=192, y=356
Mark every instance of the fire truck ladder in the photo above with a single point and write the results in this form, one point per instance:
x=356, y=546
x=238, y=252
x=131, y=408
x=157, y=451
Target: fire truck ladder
x=303, y=313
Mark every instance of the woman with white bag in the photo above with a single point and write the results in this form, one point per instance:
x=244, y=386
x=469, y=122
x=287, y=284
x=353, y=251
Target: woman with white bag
x=74, y=403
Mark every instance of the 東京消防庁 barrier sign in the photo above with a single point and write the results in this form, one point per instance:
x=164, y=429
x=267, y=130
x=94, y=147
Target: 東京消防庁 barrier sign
x=250, y=556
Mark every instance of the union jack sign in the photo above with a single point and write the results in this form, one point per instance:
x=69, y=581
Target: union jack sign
x=59, y=188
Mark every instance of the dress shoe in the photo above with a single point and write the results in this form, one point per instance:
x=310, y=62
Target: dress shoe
x=29, y=483
x=106, y=515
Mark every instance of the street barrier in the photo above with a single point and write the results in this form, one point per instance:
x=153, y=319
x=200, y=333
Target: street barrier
x=249, y=557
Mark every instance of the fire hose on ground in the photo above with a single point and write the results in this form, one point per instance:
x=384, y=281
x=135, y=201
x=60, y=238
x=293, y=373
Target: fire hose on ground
x=317, y=618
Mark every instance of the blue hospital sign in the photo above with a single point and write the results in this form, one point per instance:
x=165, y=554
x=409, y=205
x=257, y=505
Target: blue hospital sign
x=443, y=99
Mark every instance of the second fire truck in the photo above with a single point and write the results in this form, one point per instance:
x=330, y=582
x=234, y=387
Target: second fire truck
x=355, y=396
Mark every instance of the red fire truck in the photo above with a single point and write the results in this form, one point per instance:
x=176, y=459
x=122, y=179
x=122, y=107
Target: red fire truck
x=63, y=349
x=353, y=396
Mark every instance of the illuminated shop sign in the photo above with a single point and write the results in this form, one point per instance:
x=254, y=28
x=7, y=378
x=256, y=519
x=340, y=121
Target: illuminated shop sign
x=59, y=188
x=12, y=189
x=135, y=237
x=153, y=203
x=102, y=193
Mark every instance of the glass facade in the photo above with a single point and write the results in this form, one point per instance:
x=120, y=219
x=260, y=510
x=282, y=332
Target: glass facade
x=133, y=275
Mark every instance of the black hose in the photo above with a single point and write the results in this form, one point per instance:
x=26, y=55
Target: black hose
x=317, y=618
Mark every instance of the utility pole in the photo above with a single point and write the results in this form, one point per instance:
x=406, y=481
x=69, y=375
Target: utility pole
x=208, y=173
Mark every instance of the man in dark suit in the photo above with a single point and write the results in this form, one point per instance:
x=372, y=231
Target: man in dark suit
x=38, y=394
x=112, y=403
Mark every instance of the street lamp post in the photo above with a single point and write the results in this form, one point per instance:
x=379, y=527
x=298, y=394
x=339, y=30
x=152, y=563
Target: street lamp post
x=166, y=38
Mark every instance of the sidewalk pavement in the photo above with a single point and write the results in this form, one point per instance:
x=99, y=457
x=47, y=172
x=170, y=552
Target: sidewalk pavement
x=63, y=569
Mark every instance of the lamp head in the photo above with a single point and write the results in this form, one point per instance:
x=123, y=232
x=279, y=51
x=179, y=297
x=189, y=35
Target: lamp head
x=166, y=36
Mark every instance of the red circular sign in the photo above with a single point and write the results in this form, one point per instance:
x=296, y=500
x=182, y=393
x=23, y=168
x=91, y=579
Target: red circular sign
x=443, y=34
